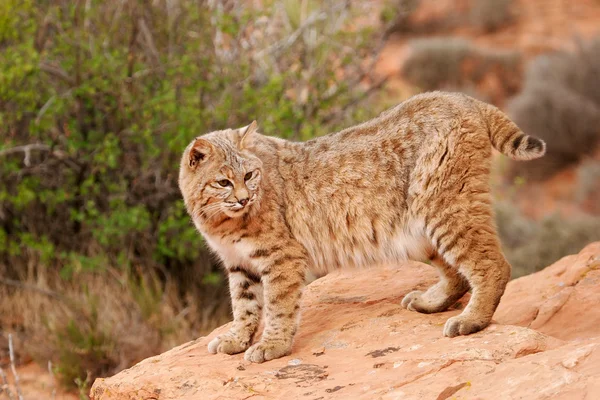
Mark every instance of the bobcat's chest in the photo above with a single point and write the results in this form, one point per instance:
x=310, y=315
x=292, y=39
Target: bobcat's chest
x=232, y=254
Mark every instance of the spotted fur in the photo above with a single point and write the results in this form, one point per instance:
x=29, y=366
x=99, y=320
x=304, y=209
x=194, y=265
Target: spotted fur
x=409, y=184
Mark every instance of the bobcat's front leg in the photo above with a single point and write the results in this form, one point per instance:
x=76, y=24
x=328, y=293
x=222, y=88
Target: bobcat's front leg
x=283, y=277
x=246, y=302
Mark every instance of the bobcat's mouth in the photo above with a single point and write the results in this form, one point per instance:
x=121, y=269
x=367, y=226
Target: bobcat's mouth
x=236, y=209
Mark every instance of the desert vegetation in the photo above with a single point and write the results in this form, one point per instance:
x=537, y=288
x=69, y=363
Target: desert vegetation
x=479, y=15
x=560, y=102
x=456, y=64
x=100, y=266
x=491, y=15
x=553, y=96
x=531, y=245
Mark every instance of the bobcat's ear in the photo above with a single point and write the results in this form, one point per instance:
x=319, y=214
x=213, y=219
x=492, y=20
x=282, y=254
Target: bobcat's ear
x=246, y=132
x=199, y=152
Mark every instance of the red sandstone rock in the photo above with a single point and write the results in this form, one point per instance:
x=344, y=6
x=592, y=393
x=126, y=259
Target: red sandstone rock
x=356, y=342
x=562, y=300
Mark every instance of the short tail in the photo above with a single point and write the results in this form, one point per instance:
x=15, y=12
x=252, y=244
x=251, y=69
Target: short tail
x=507, y=138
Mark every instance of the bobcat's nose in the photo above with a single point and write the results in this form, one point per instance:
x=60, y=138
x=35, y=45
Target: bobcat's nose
x=243, y=202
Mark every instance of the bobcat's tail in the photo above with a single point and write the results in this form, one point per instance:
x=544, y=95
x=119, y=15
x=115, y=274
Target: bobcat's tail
x=507, y=138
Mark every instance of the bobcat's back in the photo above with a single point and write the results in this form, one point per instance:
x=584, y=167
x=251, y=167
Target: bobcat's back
x=363, y=195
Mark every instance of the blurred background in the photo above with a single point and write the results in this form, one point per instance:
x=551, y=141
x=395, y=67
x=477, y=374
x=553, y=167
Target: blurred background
x=100, y=266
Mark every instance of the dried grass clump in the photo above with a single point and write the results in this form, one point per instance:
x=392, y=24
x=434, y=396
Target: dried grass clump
x=111, y=325
x=560, y=103
x=447, y=62
x=567, y=121
x=422, y=17
x=436, y=62
x=533, y=245
x=490, y=15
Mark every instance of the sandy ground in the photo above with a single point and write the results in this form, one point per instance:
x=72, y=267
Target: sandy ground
x=36, y=383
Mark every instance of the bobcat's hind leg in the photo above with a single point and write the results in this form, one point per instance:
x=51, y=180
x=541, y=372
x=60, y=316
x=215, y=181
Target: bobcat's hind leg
x=488, y=272
x=451, y=287
x=470, y=243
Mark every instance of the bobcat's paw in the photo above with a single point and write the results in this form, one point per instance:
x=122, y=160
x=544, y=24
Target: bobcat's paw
x=267, y=350
x=410, y=300
x=463, y=325
x=437, y=298
x=227, y=344
x=424, y=302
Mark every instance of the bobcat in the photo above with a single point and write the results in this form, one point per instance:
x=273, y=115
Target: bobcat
x=409, y=184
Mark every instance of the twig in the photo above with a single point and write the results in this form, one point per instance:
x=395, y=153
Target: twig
x=46, y=292
x=51, y=372
x=56, y=71
x=25, y=149
x=283, y=44
x=5, y=388
x=333, y=116
x=13, y=367
x=367, y=72
x=28, y=148
x=72, y=305
x=153, y=52
x=44, y=109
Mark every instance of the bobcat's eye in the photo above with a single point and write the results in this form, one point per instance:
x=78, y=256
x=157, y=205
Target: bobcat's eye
x=248, y=176
x=225, y=183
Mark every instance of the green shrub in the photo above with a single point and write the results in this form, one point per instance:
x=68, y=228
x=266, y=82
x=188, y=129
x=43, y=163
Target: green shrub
x=97, y=102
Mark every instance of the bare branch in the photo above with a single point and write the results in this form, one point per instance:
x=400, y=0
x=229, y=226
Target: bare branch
x=153, y=52
x=287, y=42
x=27, y=149
x=368, y=71
x=45, y=292
x=5, y=388
x=51, y=372
x=56, y=71
x=44, y=108
x=363, y=95
x=13, y=367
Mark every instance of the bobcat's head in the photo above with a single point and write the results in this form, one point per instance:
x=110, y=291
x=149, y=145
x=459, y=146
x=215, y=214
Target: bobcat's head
x=218, y=178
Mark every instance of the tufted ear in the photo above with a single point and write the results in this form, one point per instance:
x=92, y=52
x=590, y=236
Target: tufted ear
x=247, y=132
x=199, y=152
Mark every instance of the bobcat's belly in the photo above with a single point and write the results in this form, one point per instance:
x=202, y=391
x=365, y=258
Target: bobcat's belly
x=356, y=252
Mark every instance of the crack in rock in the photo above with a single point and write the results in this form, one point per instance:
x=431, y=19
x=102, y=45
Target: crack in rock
x=382, y=352
x=450, y=390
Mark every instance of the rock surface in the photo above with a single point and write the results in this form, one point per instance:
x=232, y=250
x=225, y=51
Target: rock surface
x=356, y=342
